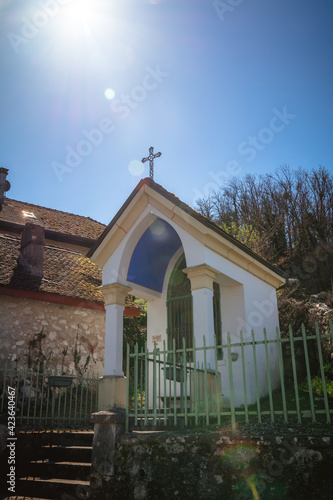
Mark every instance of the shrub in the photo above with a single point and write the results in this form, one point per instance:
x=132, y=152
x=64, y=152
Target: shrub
x=317, y=387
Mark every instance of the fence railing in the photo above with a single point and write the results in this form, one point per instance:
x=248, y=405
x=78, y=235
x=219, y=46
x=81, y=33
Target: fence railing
x=47, y=398
x=271, y=377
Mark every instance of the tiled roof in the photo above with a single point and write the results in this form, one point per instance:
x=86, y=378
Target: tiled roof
x=66, y=272
x=54, y=220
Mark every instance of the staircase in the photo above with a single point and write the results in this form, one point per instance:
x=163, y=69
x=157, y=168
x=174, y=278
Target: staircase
x=53, y=465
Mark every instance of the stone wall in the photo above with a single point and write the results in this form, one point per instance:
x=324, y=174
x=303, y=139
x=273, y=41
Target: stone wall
x=212, y=466
x=207, y=465
x=21, y=319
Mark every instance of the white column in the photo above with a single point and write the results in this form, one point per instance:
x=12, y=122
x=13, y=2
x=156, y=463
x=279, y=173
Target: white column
x=115, y=295
x=202, y=278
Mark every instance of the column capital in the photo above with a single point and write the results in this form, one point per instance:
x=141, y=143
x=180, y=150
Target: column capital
x=115, y=293
x=201, y=276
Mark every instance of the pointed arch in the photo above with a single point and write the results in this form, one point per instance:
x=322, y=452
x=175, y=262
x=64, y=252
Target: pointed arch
x=152, y=254
x=180, y=308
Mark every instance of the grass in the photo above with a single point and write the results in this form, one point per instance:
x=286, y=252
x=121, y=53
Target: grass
x=303, y=395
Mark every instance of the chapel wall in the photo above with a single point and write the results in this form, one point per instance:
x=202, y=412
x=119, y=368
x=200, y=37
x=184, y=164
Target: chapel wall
x=21, y=319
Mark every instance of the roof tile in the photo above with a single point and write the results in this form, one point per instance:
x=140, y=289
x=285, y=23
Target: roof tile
x=66, y=272
x=55, y=220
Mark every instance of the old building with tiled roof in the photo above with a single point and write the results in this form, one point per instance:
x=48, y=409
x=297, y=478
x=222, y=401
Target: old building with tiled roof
x=19, y=213
x=47, y=283
x=66, y=272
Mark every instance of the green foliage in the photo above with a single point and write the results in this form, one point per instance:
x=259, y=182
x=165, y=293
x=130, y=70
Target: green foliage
x=140, y=397
x=245, y=233
x=317, y=387
x=317, y=383
x=135, y=330
x=328, y=370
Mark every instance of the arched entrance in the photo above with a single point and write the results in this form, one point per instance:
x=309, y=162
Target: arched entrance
x=152, y=254
x=180, y=309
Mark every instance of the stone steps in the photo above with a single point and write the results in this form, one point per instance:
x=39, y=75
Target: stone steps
x=52, y=468
x=53, y=488
x=53, y=465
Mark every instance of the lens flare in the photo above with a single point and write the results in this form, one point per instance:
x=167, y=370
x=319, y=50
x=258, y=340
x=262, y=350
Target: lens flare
x=109, y=94
x=239, y=456
x=135, y=168
x=157, y=228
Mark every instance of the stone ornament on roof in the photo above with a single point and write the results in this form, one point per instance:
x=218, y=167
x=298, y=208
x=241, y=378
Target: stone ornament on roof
x=4, y=185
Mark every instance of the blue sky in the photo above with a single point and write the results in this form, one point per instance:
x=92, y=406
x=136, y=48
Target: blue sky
x=220, y=88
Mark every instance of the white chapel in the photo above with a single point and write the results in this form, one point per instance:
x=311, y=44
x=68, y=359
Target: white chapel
x=197, y=280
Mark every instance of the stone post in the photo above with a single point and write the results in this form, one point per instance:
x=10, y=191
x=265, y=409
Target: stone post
x=4, y=185
x=108, y=425
x=112, y=386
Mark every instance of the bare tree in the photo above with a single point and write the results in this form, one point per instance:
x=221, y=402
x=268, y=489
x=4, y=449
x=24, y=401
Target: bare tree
x=290, y=213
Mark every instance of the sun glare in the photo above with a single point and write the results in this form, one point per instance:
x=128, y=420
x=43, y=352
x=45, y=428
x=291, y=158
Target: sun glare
x=80, y=17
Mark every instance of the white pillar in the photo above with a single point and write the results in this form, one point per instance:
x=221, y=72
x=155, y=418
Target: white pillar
x=115, y=295
x=202, y=278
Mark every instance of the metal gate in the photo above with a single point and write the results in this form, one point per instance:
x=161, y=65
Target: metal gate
x=47, y=398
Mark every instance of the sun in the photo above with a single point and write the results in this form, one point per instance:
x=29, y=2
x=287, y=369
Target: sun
x=79, y=17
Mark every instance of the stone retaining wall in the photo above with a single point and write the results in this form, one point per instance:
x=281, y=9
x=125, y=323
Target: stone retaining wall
x=207, y=465
x=213, y=466
x=21, y=319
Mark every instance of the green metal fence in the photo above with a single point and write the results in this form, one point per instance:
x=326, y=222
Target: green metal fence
x=165, y=388
x=47, y=398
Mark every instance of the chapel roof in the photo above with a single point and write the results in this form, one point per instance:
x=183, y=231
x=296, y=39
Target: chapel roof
x=65, y=272
x=188, y=210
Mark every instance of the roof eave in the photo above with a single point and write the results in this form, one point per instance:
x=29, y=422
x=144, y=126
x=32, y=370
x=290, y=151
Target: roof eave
x=113, y=222
x=280, y=276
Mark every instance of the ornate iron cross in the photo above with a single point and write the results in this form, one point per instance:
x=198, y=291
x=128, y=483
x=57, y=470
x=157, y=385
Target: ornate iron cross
x=151, y=158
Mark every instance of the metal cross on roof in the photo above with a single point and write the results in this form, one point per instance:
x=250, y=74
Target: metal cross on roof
x=151, y=158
